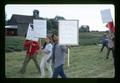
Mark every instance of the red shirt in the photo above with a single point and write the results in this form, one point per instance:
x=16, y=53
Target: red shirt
x=32, y=47
x=111, y=26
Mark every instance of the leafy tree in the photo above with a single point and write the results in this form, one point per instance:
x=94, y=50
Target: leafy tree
x=84, y=28
x=52, y=24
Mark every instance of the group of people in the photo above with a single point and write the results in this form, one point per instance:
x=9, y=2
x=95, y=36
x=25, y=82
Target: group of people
x=53, y=56
x=107, y=41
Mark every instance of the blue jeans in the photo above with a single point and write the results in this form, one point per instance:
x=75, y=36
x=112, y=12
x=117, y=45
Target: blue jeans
x=59, y=71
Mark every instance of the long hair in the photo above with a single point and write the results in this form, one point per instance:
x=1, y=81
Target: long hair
x=46, y=43
x=52, y=37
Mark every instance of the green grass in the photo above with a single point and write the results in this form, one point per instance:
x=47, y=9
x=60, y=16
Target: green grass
x=85, y=62
x=16, y=43
x=90, y=38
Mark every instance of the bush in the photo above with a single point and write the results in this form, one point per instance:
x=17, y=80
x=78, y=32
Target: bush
x=14, y=44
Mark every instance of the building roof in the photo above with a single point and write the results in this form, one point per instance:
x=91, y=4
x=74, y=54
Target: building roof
x=20, y=19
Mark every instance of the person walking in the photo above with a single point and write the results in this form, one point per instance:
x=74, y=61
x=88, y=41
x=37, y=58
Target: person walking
x=104, y=41
x=110, y=45
x=47, y=50
x=58, y=58
x=32, y=48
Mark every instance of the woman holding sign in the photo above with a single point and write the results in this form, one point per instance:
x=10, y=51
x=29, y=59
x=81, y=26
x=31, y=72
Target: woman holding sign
x=47, y=50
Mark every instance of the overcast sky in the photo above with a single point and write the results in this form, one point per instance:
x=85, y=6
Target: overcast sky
x=87, y=14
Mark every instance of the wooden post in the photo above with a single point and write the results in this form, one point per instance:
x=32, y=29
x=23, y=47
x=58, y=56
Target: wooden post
x=40, y=43
x=68, y=57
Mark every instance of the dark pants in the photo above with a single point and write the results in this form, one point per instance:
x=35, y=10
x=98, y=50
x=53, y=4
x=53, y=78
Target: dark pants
x=104, y=45
x=59, y=71
x=25, y=63
x=110, y=49
x=116, y=64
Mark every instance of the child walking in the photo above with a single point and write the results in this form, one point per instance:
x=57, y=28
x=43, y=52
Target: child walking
x=47, y=50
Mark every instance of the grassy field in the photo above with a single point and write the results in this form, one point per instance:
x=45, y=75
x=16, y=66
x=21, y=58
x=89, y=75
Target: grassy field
x=85, y=62
x=16, y=43
x=90, y=38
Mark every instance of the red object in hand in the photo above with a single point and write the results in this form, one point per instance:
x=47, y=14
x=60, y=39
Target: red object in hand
x=32, y=47
x=111, y=26
x=26, y=44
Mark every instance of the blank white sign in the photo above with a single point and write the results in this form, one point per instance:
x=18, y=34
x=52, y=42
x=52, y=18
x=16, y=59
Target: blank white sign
x=68, y=32
x=106, y=15
x=30, y=34
x=40, y=27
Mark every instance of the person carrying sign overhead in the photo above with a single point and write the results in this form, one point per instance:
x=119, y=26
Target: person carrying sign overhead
x=32, y=48
x=58, y=57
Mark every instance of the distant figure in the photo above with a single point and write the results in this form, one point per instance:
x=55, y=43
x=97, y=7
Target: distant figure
x=104, y=41
x=110, y=44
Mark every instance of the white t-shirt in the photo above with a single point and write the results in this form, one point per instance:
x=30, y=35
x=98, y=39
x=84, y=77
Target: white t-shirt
x=48, y=49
